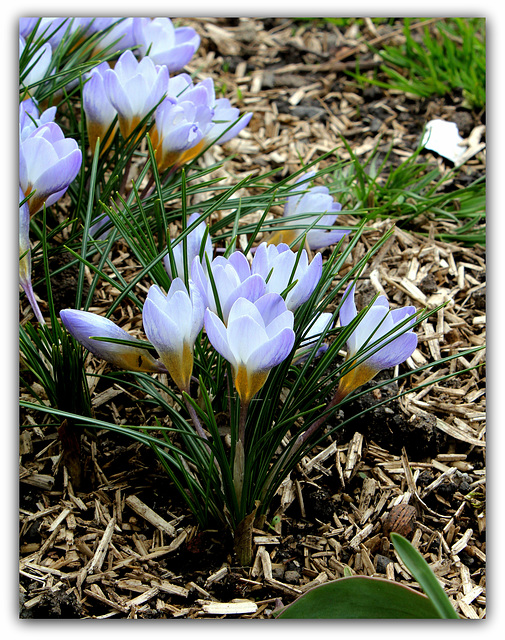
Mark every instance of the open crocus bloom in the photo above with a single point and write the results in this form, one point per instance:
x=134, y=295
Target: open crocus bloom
x=379, y=326
x=232, y=279
x=258, y=337
x=165, y=44
x=316, y=201
x=277, y=266
x=172, y=323
x=84, y=326
x=194, y=241
x=134, y=89
x=48, y=163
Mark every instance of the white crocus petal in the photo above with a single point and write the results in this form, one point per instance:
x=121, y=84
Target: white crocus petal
x=217, y=334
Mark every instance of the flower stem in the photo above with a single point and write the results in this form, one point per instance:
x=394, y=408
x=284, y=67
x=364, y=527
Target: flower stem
x=194, y=416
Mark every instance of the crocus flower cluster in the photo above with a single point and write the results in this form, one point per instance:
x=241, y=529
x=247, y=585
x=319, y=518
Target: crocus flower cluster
x=187, y=116
x=315, y=206
x=239, y=303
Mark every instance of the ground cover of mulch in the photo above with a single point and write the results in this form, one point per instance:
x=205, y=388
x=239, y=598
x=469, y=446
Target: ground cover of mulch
x=123, y=545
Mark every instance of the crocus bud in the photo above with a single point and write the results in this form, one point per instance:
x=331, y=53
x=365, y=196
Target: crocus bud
x=99, y=111
x=172, y=323
x=165, y=44
x=259, y=336
x=48, y=163
x=134, y=89
x=85, y=326
x=379, y=326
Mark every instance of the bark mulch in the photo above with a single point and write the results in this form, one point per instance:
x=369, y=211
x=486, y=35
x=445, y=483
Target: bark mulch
x=123, y=545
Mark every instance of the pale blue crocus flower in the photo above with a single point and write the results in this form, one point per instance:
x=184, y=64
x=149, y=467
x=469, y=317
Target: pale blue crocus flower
x=172, y=323
x=278, y=266
x=224, y=115
x=25, y=261
x=258, y=336
x=165, y=44
x=232, y=279
x=304, y=201
x=178, y=126
x=99, y=111
x=194, y=241
x=84, y=326
x=372, y=332
x=48, y=163
x=134, y=89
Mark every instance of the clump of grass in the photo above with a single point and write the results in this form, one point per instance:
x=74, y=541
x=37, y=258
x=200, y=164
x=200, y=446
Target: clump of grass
x=415, y=188
x=450, y=56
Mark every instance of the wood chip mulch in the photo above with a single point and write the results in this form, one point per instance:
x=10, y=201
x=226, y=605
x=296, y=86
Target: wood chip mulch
x=122, y=545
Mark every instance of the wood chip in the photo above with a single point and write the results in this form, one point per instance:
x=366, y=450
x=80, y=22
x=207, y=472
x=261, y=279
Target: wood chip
x=151, y=516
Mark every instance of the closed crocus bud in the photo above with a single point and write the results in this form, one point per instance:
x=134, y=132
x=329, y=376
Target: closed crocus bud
x=379, y=326
x=25, y=261
x=99, y=111
x=278, y=266
x=259, y=336
x=194, y=241
x=172, y=323
x=48, y=163
x=232, y=279
x=165, y=44
x=134, y=89
x=85, y=326
x=30, y=118
x=316, y=205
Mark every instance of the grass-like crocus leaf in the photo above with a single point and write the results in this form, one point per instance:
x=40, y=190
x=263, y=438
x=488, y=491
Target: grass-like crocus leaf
x=360, y=597
x=421, y=571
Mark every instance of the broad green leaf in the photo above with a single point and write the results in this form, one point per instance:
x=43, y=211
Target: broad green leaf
x=360, y=597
